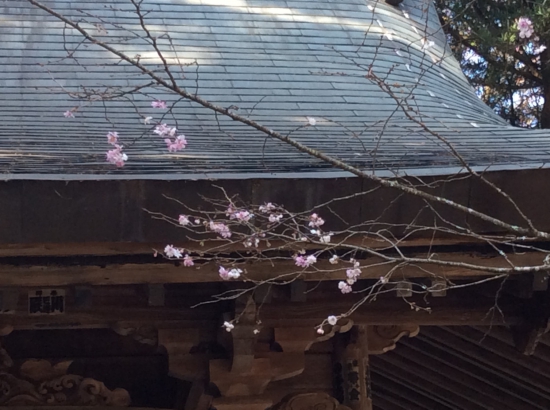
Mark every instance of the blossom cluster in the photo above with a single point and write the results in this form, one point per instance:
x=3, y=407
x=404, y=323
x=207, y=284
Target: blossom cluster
x=304, y=261
x=265, y=218
x=170, y=251
x=227, y=274
x=220, y=228
x=173, y=141
x=525, y=27
x=241, y=215
x=271, y=215
x=115, y=156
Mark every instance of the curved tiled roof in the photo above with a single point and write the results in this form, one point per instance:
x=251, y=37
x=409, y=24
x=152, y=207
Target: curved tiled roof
x=277, y=61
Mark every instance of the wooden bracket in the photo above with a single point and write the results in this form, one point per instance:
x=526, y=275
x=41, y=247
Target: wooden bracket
x=404, y=289
x=243, y=374
x=382, y=339
x=242, y=380
x=438, y=288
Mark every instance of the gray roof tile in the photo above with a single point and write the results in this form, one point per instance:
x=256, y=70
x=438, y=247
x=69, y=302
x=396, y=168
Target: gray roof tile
x=277, y=61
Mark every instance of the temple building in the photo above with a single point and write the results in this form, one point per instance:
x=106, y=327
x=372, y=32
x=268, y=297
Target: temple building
x=94, y=313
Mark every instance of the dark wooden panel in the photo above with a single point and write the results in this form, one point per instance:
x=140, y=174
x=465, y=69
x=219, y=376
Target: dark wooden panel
x=113, y=211
x=67, y=344
x=529, y=189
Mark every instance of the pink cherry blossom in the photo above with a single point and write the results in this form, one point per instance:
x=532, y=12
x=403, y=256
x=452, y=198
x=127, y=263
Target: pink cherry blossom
x=220, y=228
x=177, y=144
x=68, y=114
x=230, y=210
x=353, y=274
x=300, y=261
x=172, y=252
x=235, y=273
x=332, y=320
x=147, y=120
x=112, y=137
x=334, y=259
x=238, y=214
x=163, y=130
x=268, y=207
x=251, y=242
x=188, y=261
x=159, y=104
x=224, y=273
x=243, y=216
x=525, y=27
x=183, y=220
x=304, y=261
x=227, y=274
x=228, y=326
x=316, y=221
x=116, y=156
x=274, y=218
x=344, y=287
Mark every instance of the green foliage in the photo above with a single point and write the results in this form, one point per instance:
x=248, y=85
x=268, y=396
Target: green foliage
x=508, y=71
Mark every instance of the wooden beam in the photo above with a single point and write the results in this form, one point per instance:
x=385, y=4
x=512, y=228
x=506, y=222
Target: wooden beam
x=444, y=311
x=146, y=248
x=168, y=272
x=452, y=311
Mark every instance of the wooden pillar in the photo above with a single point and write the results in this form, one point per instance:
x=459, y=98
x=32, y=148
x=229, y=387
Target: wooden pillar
x=353, y=363
x=352, y=352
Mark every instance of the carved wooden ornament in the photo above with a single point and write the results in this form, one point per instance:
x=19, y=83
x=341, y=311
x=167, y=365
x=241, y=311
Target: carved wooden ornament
x=39, y=383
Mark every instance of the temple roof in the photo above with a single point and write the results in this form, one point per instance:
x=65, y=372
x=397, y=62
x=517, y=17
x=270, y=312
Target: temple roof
x=277, y=62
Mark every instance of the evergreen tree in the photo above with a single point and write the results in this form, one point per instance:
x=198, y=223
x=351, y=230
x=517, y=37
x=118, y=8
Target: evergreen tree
x=503, y=49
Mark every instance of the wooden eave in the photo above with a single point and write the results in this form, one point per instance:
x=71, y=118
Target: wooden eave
x=60, y=218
